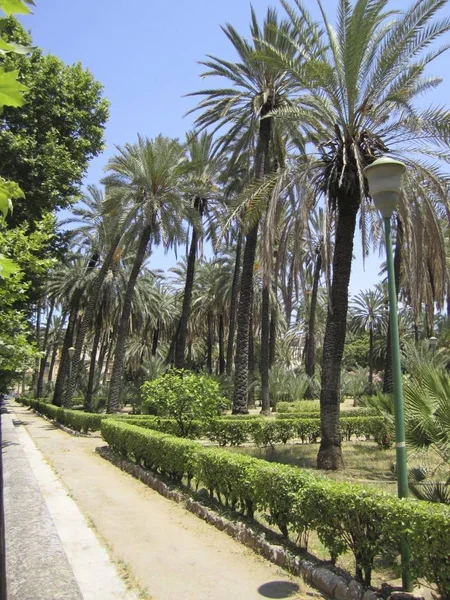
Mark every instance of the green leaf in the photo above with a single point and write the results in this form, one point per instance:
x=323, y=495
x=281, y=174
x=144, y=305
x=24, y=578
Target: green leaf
x=15, y=7
x=13, y=47
x=7, y=267
x=8, y=190
x=10, y=89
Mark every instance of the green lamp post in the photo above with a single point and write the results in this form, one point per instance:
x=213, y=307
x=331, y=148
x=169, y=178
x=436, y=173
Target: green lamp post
x=384, y=179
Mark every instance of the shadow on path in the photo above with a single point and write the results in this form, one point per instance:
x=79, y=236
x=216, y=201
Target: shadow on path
x=278, y=589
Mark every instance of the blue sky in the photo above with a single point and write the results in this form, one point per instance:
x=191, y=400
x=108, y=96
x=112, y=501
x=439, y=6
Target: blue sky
x=146, y=53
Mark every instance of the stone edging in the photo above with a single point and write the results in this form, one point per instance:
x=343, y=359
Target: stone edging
x=325, y=580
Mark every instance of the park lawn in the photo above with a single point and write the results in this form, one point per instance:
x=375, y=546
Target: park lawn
x=364, y=461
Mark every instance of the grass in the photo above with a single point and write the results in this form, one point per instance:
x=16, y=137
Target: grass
x=364, y=461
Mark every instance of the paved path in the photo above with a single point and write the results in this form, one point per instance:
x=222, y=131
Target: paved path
x=51, y=552
x=171, y=553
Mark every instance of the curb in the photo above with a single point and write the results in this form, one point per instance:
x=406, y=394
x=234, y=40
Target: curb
x=327, y=582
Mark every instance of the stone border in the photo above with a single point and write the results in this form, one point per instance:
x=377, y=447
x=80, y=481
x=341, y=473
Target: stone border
x=324, y=579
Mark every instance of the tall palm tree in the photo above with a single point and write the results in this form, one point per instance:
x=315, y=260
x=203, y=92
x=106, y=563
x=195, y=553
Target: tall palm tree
x=368, y=312
x=258, y=89
x=96, y=229
x=363, y=84
x=149, y=173
x=203, y=170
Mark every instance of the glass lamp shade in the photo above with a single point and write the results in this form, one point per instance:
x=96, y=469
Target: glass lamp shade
x=71, y=352
x=385, y=179
x=432, y=343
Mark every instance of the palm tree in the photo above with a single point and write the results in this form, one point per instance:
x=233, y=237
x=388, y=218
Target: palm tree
x=258, y=89
x=362, y=86
x=96, y=229
x=149, y=173
x=368, y=312
x=203, y=169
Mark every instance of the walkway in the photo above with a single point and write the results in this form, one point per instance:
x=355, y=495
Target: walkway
x=169, y=552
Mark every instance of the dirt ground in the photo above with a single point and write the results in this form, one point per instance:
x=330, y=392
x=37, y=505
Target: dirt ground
x=167, y=551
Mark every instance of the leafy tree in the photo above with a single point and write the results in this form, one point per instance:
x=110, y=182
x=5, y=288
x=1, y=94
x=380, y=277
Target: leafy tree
x=46, y=143
x=183, y=396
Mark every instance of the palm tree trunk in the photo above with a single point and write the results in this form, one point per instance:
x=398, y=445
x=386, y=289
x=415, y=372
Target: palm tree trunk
x=38, y=346
x=233, y=304
x=246, y=292
x=289, y=292
x=387, y=380
x=221, y=345
x=40, y=382
x=330, y=452
x=88, y=317
x=55, y=345
x=265, y=342
x=310, y=363
x=108, y=361
x=180, y=346
x=63, y=370
x=93, y=365
x=371, y=358
x=251, y=366
x=122, y=330
x=155, y=339
x=210, y=343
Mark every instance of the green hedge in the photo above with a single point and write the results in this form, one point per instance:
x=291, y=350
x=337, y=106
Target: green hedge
x=266, y=432
x=345, y=516
x=75, y=419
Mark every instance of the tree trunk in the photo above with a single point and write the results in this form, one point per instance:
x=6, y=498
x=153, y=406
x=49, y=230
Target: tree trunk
x=233, y=304
x=108, y=361
x=210, y=343
x=246, y=292
x=243, y=324
x=289, y=293
x=55, y=345
x=388, y=384
x=155, y=339
x=64, y=367
x=93, y=365
x=251, y=367
x=88, y=317
x=330, y=452
x=36, y=369
x=265, y=343
x=180, y=346
x=221, y=346
x=310, y=362
x=124, y=323
x=371, y=359
x=40, y=382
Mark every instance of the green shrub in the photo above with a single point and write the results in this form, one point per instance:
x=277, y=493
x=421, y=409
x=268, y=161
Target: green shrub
x=74, y=419
x=183, y=396
x=265, y=432
x=346, y=516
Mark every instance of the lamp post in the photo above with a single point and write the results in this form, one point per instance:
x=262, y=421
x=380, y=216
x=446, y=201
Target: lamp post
x=384, y=179
x=432, y=343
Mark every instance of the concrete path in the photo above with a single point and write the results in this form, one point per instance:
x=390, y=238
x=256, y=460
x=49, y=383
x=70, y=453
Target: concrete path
x=169, y=552
x=51, y=553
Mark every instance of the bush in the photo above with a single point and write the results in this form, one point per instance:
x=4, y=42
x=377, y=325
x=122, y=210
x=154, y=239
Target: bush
x=74, y=419
x=183, y=396
x=264, y=432
x=346, y=516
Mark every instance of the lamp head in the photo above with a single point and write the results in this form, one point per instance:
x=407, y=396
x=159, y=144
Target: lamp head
x=384, y=177
x=71, y=352
x=432, y=342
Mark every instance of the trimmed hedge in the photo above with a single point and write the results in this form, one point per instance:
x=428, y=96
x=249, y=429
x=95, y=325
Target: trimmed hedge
x=75, y=419
x=266, y=432
x=345, y=516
